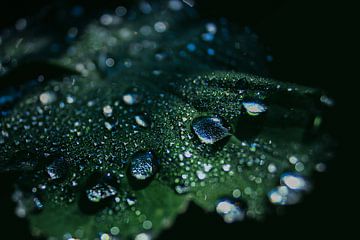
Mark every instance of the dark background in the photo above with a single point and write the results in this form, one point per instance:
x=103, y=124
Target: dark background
x=303, y=38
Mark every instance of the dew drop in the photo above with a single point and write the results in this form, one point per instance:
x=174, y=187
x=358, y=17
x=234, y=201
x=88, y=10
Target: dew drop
x=100, y=192
x=142, y=236
x=231, y=211
x=294, y=181
x=131, y=98
x=107, y=111
x=47, y=97
x=200, y=175
x=282, y=195
x=57, y=169
x=141, y=121
x=254, y=108
x=210, y=129
x=143, y=165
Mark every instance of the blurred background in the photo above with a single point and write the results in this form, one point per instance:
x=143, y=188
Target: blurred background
x=301, y=37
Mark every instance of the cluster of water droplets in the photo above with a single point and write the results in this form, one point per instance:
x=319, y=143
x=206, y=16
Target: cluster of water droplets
x=109, y=139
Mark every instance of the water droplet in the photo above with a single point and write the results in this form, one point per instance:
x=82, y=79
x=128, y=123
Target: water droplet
x=200, y=175
x=210, y=129
x=147, y=224
x=320, y=167
x=38, y=204
x=211, y=28
x=114, y=231
x=143, y=236
x=180, y=189
x=294, y=181
x=120, y=11
x=57, y=169
x=207, y=37
x=108, y=126
x=231, y=211
x=191, y=47
x=284, y=196
x=143, y=165
x=21, y=24
x=141, y=121
x=211, y=52
x=100, y=192
x=47, y=97
x=107, y=111
x=175, y=5
x=131, y=98
x=272, y=168
x=160, y=27
x=254, y=109
x=226, y=167
x=236, y=193
x=105, y=236
x=70, y=99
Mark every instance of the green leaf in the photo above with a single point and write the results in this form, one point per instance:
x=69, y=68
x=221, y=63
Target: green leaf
x=151, y=123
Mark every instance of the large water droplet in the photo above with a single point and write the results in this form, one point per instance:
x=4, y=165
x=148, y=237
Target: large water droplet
x=231, y=211
x=210, y=129
x=254, y=108
x=100, y=192
x=143, y=165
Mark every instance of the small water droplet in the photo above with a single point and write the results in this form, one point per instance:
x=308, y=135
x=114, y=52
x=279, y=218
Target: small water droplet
x=160, y=27
x=47, y=97
x=131, y=98
x=200, y=175
x=283, y=196
x=272, y=168
x=142, y=236
x=175, y=5
x=226, y=167
x=108, y=126
x=141, y=121
x=57, y=169
x=107, y=111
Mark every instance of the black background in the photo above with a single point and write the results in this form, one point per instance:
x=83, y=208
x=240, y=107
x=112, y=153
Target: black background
x=303, y=38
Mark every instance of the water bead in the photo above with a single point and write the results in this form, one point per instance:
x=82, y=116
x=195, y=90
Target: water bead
x=254, y=108
x=210, y=129
x=143, y=165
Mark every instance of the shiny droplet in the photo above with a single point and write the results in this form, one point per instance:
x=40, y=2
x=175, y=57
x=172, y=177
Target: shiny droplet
x=57, y=169
x=294, y=181
x=143, y=165
x=47, y=97
x=231, y=211
x=254, y=108
x=141, y=121
x=100, y=192
x=131, y=98
x=107, y=111
x=210, y=129
x=284, y=196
